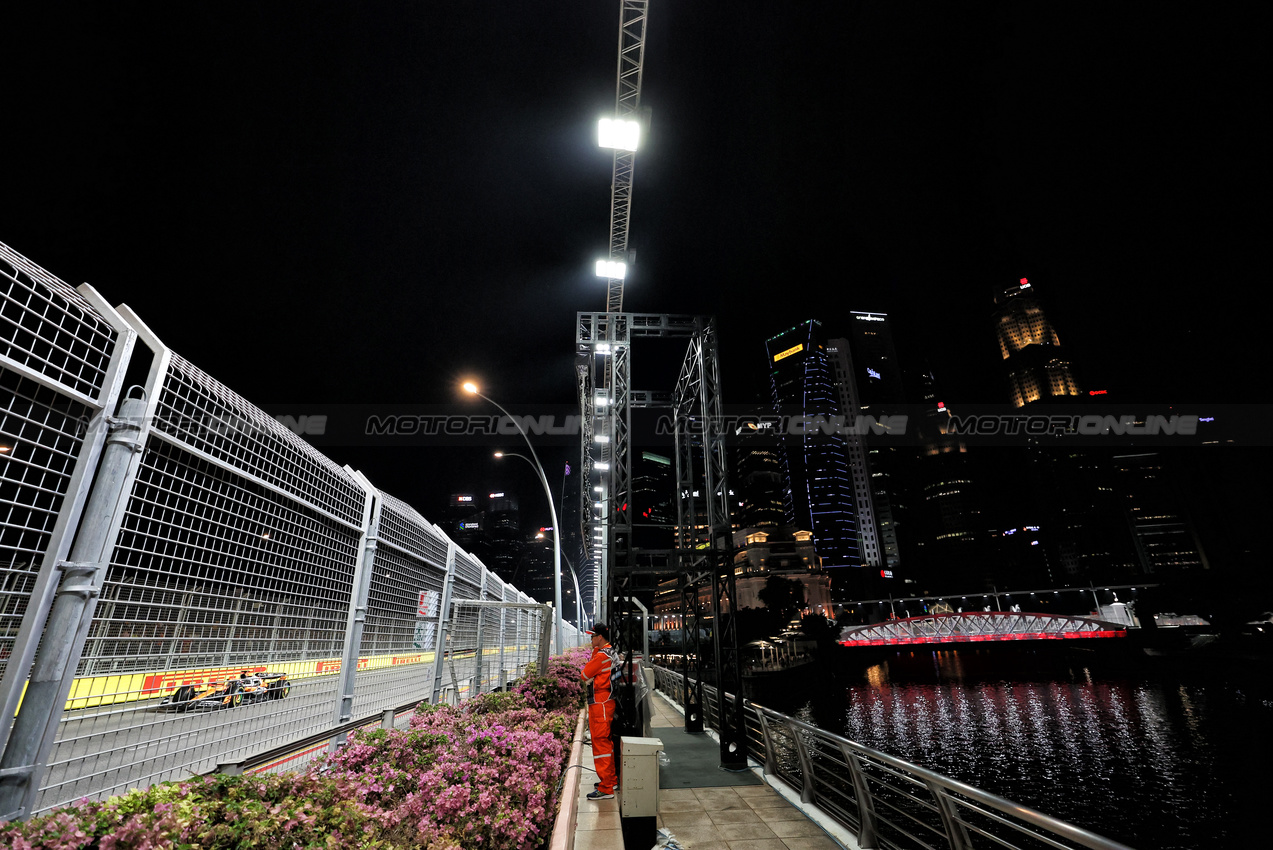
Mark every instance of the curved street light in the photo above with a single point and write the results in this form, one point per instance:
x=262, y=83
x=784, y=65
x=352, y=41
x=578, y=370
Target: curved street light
x=578, y=606
x=471, y=388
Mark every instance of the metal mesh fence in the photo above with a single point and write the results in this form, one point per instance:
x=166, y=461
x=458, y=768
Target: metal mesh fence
x=49, y=328
x=220, y=624
x=40, y=438
x=55, y=353
x=400, y=637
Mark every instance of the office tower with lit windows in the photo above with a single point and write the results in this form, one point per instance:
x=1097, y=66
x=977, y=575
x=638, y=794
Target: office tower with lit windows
x=869, y=380
x=504, y=535
x=1037, y=368
x=855, y=446
x=757, y=475
x=951, y=545
x=1165, y=540
x=1065, y=492
x=465, y=524
x=653, y=501
x=819, y=494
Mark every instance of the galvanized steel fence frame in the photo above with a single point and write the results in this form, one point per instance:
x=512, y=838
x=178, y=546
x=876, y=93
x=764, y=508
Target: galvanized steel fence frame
x=231, y=546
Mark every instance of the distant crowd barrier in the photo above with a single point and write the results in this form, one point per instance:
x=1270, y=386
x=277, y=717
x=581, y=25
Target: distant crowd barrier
x=171, y=533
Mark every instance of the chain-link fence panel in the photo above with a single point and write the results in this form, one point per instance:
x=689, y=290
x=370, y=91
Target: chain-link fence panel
x=400, y=637
x=221, y=620
x=462, y=636
x=520, y=635
x=245, y=568
x=56, y=351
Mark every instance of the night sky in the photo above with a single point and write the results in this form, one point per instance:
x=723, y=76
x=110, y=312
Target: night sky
x=364, y=203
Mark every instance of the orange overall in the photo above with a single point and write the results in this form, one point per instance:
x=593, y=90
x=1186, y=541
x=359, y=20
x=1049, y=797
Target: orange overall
x=600, y=713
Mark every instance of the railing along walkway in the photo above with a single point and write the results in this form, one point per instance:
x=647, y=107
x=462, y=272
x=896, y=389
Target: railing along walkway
x=886, y=802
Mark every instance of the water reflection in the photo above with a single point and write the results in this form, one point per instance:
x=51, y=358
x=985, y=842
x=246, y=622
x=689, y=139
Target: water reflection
x=1155, y=758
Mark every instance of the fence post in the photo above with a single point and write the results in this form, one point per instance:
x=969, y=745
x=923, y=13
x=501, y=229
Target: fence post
x=956, y=833
x=502, y=681
x=545, y=638
x=806, y=765
x=440, y=650
x=867, y=837
x=357, y=609
x=481, y=620
x=771, y=760
x=66, y=629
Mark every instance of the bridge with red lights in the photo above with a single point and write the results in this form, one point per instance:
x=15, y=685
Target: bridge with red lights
x=979, y=626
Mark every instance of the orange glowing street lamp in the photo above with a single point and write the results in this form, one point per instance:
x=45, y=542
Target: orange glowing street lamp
x=472, y=389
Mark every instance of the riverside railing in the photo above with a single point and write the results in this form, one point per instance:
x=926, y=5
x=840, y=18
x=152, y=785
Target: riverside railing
x=886, y=802
x=173, y=534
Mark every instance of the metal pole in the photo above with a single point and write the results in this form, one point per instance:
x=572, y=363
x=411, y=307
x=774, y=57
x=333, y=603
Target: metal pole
x=502, y=680
x=440, y=649
x=543, y=479
x=545, y=643
x=66, y=629
x=574, y=578
x=481, y=637
x=552, y=510
x=357, y=612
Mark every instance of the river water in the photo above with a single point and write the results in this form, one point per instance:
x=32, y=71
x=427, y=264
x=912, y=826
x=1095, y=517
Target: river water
x=1160, y=754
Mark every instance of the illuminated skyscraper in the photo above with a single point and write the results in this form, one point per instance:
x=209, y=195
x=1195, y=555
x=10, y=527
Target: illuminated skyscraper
x=758, y=480
x=1037, y=368
x=1165, y=539
x=503, y=528
x=869, y=381
x=819, y=495
x=952, y=543
x=1064, y=492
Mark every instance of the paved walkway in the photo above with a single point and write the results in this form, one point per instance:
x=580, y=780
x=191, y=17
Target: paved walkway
x=724, y=816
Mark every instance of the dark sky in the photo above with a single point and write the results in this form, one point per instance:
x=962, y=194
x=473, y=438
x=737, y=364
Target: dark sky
x=363, y=203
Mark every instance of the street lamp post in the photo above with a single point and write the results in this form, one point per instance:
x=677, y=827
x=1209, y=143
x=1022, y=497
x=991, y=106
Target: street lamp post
x=578, y=604
x=472, y=389
x=574, y=579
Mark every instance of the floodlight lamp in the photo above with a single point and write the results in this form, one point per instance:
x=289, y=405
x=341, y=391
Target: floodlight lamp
x=601, y=466
x=612, y=269
x=618, y=134
x=601, y=438
x=470, y=387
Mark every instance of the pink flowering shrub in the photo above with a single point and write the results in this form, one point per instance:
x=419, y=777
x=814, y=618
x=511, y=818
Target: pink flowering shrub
x=560, y=688
x=481, y=775
x=216, y=813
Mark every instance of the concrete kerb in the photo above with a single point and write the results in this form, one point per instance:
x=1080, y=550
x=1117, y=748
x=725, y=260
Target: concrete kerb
x=563, y=837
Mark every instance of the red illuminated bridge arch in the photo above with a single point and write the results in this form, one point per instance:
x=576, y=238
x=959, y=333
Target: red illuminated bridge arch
x=978, y=626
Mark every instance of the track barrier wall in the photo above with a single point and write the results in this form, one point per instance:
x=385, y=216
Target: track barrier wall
x=233, y=547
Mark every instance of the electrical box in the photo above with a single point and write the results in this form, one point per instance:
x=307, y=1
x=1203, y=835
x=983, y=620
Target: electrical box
x=639, y=779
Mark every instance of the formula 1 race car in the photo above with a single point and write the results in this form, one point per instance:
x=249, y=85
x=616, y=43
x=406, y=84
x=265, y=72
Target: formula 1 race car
x=228, y=694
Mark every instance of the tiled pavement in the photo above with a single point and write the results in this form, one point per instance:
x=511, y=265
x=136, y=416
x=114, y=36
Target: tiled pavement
x=739, y=817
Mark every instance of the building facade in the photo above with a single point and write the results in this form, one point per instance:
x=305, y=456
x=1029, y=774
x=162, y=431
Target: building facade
x=819, y=494
x=1037, y=367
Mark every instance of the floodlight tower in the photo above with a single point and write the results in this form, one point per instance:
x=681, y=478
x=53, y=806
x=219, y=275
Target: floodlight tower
x=703, y=550
x=622, y=132
x=604, y=377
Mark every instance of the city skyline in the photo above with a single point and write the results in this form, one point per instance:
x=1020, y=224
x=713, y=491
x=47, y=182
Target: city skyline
x=368, y=205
